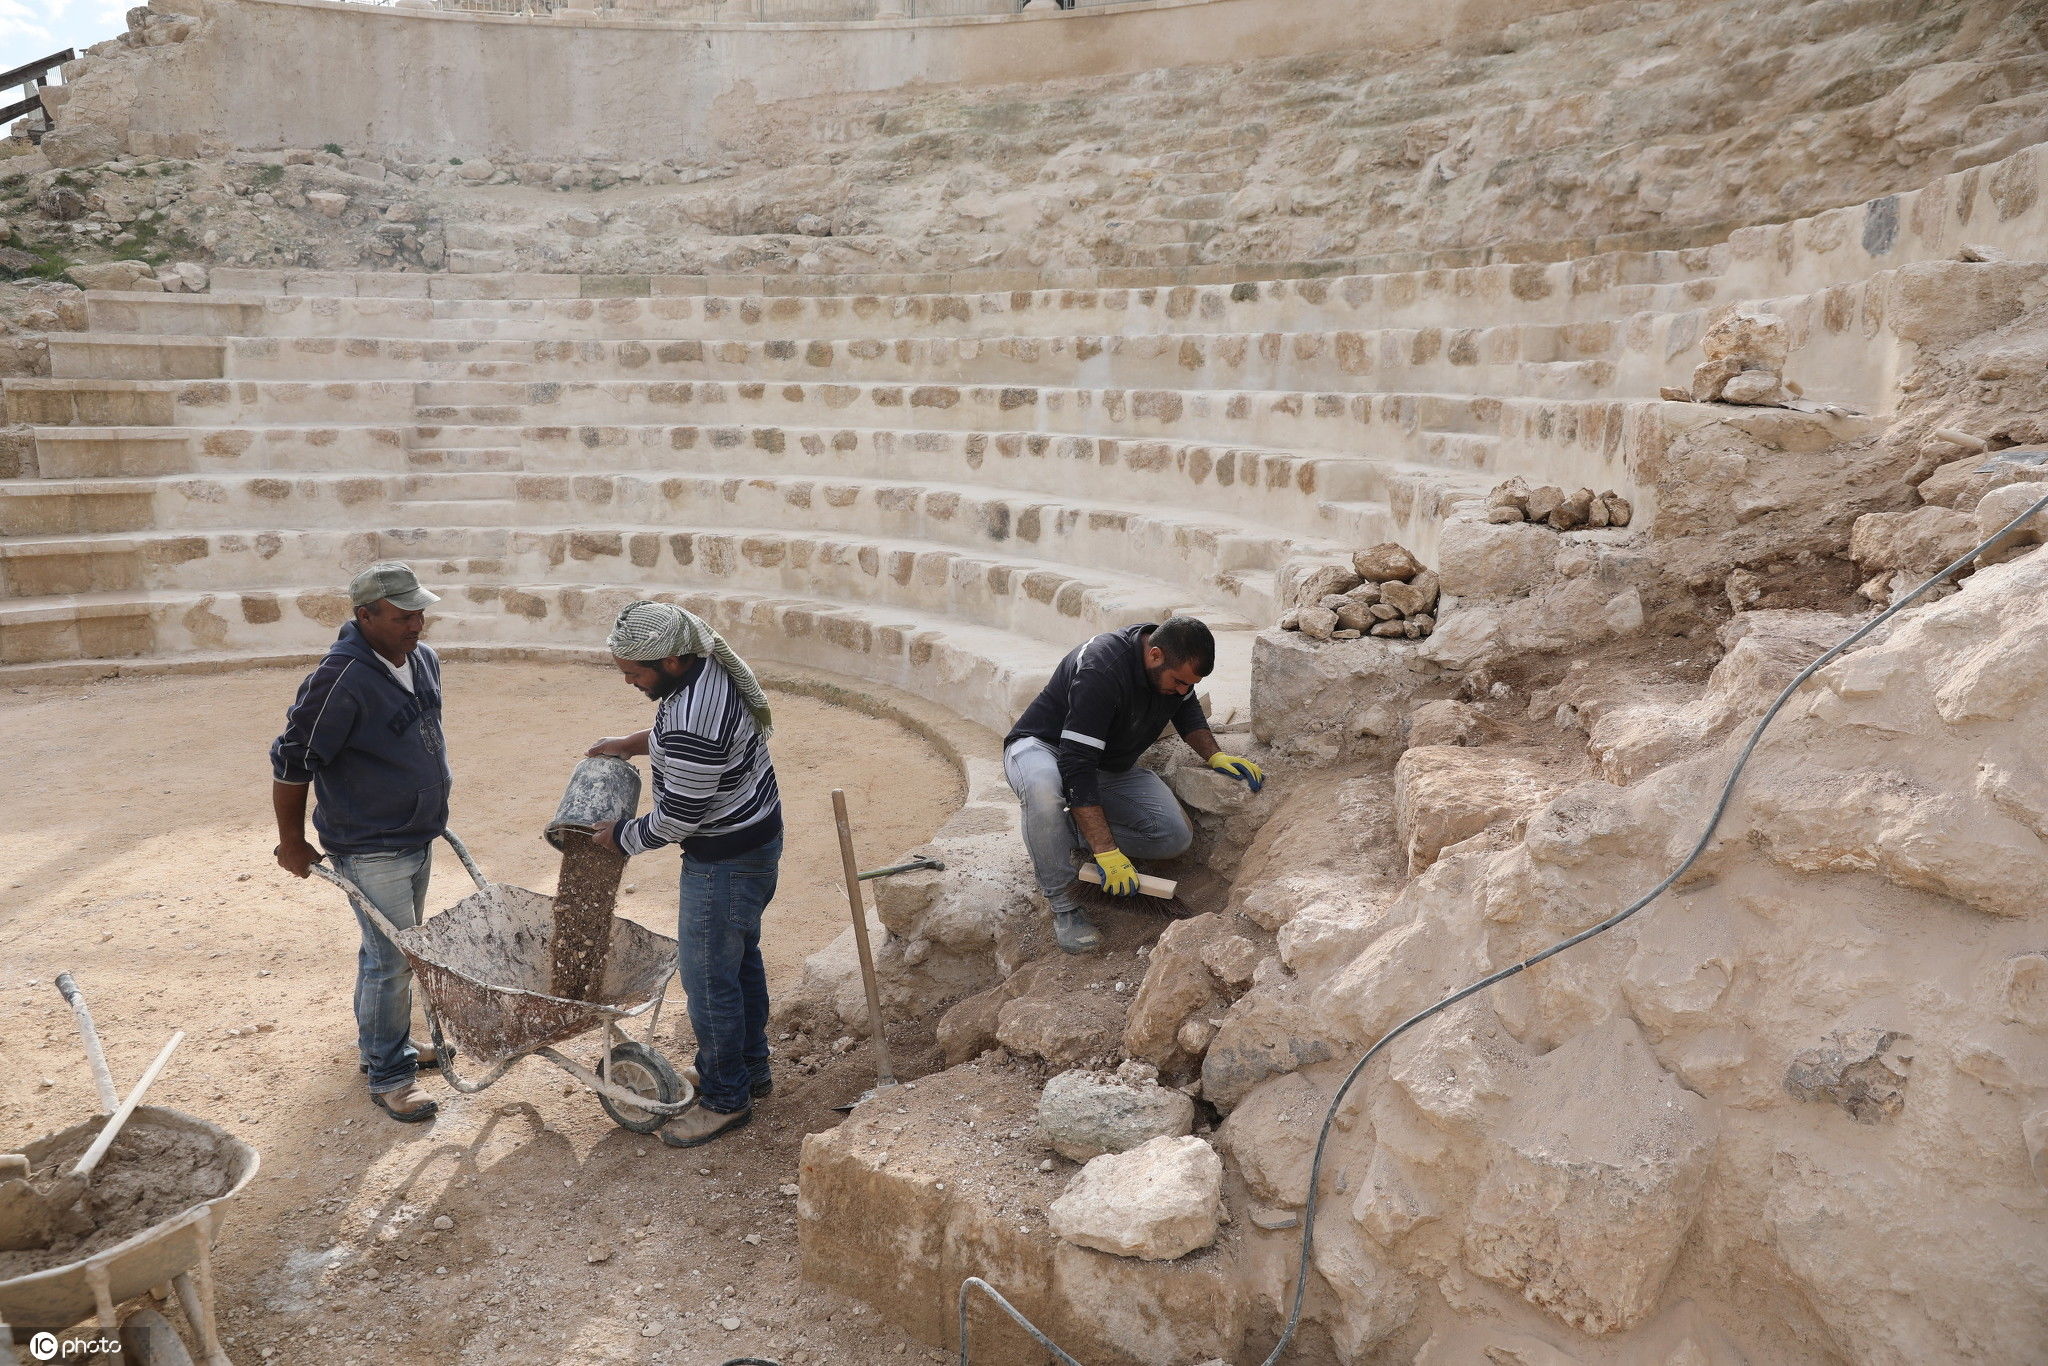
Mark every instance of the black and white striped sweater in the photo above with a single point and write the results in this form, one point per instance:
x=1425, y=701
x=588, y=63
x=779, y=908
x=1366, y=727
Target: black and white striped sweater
x=714, y=784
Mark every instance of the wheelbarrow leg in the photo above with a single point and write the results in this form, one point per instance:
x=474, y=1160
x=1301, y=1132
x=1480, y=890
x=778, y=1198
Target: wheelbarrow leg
x=195, y=1295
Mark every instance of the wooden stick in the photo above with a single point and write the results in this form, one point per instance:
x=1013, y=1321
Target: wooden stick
x=105, y=1140
x=1148, y=885
x=884, y=1076
x=102, y=1078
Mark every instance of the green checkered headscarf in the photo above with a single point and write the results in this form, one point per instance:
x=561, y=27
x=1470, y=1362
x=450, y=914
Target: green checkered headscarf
x=660, y=630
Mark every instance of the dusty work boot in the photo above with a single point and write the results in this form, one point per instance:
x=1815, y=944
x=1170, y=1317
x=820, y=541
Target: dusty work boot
x=764, y=1087
x=700, y=1124
x=1075, y=932
x=426, y=1058
x=407, y=1105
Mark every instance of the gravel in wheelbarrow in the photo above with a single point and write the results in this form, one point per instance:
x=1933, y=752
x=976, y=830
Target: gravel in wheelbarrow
x=486, y=964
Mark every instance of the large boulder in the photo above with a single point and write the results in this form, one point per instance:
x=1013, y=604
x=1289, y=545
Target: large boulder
x=1447, y=793
x=1272, y=1136
x=1593, y=1182
x=1161, y=1200
x=1085, y=1114
x=1478, y=559
x=1323, y=701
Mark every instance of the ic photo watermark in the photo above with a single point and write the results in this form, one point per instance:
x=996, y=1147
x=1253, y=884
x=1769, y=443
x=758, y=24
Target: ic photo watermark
x=50, y=1347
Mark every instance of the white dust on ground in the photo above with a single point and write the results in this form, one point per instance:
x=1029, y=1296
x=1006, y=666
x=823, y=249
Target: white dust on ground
x=135, y=850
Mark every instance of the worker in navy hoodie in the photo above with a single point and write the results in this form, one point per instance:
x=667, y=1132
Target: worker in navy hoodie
x=365, y=734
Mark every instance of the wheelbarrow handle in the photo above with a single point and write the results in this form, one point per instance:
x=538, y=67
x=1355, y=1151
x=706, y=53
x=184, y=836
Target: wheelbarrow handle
x=359, y=897
x=483, y=884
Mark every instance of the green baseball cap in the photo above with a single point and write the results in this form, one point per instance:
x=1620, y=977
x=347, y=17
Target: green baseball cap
x=393, y=582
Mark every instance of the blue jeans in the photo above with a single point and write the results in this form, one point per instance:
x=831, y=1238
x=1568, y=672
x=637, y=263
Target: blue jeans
x=718, y=956
x=396, y=884
x=1143, y=814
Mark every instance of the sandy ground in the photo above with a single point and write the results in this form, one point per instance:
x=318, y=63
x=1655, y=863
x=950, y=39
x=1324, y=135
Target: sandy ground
x=135, y=839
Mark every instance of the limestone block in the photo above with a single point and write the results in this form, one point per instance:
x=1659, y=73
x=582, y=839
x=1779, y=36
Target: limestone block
x=1320, y=582
x=1324, y=701
x=1084, y=1114
x=1592, y=1184
x=1062, y=1032
x=1327, y=932
x=1270, y=1032
x=1411, y=599
x=1159, y=1201
x=329, y=203
x=1316, y=623
x=2000, y=506
x=131, y=275
x=1489, y=560
x=1761, y=340
x=1447, y=793
x=1961, y=483
x=1271, y=1136
x=1920, y=541
x=1178, y=986
x=1384, y=563
x=1758, y=388
x=1862, y=1070
x=1446, y=723
x=582, y=223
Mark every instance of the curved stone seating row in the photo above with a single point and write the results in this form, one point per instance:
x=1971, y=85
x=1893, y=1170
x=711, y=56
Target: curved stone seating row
x=1346, y=500
x=1032, y=598
x=974, y=671
x=1570, y=361
x=1558, y=440
x=1220, y=560
x=1998, y=204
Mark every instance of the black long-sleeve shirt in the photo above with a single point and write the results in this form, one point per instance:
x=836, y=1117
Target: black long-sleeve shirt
x=1100, y=711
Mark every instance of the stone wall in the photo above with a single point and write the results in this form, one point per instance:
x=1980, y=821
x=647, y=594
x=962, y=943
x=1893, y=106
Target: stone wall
x=432, y=84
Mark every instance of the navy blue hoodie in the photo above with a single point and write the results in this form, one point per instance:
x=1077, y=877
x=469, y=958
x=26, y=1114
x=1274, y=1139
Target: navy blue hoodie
x=373, y=752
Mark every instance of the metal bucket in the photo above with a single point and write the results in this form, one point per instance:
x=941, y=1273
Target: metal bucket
x=603, y=789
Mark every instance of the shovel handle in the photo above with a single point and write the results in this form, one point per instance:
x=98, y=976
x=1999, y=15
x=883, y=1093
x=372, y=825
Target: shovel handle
x=885, y=1076
x=100, y=1145
x=102, y=1077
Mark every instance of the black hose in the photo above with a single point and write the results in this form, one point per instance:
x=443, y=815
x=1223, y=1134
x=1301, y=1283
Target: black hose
x=1315, y=1170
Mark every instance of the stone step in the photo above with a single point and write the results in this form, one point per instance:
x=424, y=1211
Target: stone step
x=119, y=452
x=1174, y=545
x=110, y=355
x=466, y=458
x=205, y=403
x=1578, y=360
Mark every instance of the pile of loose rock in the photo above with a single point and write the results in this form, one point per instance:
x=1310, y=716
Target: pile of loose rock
x=1514, y=501
x=1745, y=363
x=1385, y=593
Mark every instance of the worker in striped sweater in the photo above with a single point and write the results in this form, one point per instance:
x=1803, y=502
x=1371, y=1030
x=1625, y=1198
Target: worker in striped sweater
x=715, y=795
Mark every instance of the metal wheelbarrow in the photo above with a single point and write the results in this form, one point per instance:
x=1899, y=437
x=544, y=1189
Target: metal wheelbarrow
x=483, y=970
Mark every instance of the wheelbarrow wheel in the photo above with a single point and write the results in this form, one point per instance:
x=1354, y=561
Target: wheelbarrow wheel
x=637, y=1068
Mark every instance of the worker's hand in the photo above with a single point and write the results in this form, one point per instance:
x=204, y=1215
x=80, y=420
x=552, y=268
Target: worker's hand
x=1244, y=770
x=1119, y=878
x=297, y=858
x=618, y=746
x=607, y=836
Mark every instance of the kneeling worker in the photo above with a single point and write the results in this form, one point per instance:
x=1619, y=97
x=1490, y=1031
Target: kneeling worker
x=1070, y=761
x=715, y=794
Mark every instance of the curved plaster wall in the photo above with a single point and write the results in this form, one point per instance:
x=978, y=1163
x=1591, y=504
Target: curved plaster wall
x=428, y=84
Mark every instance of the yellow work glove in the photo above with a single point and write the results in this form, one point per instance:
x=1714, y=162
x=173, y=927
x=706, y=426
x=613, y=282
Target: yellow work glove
x=1244, y=770
x=1118, y=877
